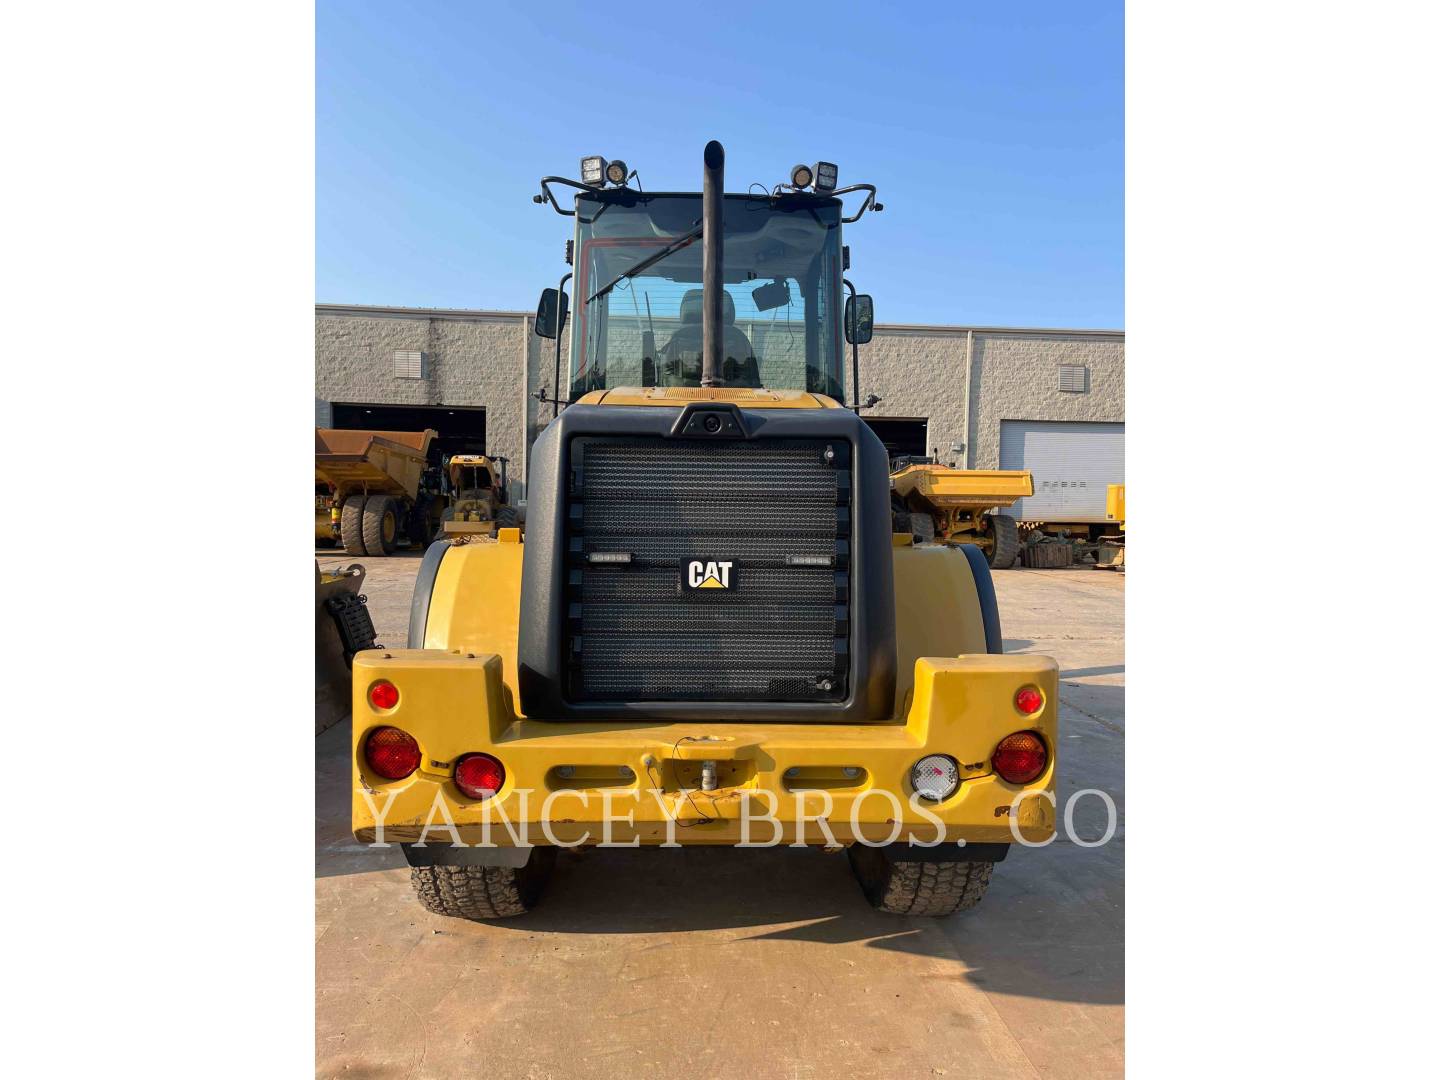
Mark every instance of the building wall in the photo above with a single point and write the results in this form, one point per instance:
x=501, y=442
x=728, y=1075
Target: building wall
x=1014, y=375
x=493, y=359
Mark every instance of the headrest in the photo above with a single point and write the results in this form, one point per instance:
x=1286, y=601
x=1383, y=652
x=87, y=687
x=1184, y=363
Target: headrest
x=692, y=307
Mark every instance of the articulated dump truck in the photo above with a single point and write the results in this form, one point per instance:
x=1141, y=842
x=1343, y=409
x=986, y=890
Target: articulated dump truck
x=961, y=506
x=709, y=632
x=368, y=484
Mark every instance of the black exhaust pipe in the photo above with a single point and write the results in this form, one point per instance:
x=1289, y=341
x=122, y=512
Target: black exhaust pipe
x=712, y=280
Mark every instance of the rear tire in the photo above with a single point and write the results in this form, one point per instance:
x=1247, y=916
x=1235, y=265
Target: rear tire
x=932, y=889
x=507, y=517
x=483, y=892
x=417, y=529
x=382, y=525
x=1005, y=534
x=922, y=527
x=352, y=525
x=899, y=516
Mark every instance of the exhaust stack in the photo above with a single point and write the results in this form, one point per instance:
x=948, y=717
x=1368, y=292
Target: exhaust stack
x=712, y=278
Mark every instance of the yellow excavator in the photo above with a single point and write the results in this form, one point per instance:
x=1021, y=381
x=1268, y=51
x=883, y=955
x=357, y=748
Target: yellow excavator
x=710, y=632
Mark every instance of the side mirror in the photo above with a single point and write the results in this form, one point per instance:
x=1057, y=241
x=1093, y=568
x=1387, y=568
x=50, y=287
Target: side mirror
x=859, y=319
x=550, y=315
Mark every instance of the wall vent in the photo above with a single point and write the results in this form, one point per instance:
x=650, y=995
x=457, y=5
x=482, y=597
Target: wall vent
x=1074, y=379
x=409, y=364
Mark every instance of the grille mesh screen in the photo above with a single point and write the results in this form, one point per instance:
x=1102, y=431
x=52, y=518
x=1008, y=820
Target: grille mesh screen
x=636, y=634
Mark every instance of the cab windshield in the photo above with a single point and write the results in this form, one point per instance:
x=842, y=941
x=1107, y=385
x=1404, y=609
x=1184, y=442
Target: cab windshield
x=638, y=298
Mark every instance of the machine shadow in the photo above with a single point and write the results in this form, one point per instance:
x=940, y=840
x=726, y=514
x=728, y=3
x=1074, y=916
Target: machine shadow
x=1025, y=938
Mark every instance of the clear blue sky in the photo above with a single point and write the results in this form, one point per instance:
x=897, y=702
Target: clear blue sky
x=995, y=133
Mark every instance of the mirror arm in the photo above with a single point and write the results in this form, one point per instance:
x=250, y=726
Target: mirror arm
x=559, y=333
x=543, y=395
x=854, y=352
x=548, y=196
x=868, y=204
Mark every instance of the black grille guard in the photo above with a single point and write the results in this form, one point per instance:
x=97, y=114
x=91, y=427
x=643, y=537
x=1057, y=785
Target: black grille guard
x=794, y=640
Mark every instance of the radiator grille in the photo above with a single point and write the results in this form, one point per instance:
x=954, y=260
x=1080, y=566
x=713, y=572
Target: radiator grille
x=780, y=632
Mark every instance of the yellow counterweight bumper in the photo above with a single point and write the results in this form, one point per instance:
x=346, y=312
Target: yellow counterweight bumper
x=468, y=528
x=627, y=783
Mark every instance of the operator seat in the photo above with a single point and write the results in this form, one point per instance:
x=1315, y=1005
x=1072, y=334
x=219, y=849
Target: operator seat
x=680, y=358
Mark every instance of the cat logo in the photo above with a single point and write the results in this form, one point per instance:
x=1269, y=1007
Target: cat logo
x=709, y=575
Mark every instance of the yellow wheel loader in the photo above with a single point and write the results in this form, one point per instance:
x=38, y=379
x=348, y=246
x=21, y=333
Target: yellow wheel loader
x=709, y=632
x=479, y=500
x=961, y=506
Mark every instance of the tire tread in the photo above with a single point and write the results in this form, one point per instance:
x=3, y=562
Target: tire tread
x=352, y=527
x=376, y=507
x=1006, y=548
x=933, y=889
x=483, y=892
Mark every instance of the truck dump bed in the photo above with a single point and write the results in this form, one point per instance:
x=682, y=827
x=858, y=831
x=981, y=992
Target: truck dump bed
x=383, y=462
x=963, y=489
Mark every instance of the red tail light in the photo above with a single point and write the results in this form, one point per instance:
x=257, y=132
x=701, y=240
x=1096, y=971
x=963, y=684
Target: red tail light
x=1021, y=757
x=383, y=695
x=1028, y=700
x=392, y=753
x=479, y=775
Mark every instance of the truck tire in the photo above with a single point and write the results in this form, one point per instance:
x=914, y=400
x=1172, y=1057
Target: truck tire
x=507, y=517
x=483, y=892
x=934, y=889
x=1006, y=536
x=352, y=525
x=382, y=525
x=899, y=516
x=922, y=527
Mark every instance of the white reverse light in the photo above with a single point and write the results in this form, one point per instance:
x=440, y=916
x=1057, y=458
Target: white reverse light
x=935, y=777
x=809, y=560
x=826, y=175
x=608, y=557
x=592, y=171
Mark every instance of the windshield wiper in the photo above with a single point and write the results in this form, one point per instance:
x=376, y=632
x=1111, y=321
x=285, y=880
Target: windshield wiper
x=649, y=261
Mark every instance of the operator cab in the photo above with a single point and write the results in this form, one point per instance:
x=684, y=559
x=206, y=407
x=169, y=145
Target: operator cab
x=639, y=301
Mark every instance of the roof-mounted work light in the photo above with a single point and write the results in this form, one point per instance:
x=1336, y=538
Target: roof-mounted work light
x=592, y=171
x=826, y=175
x=617, y=173
x=801, y=177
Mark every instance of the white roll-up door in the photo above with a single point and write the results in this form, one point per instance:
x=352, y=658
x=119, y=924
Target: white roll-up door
x=1072, y=464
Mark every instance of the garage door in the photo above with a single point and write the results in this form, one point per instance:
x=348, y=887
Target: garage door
x=1072, y=464
x=460, y=429
x=899, y=436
